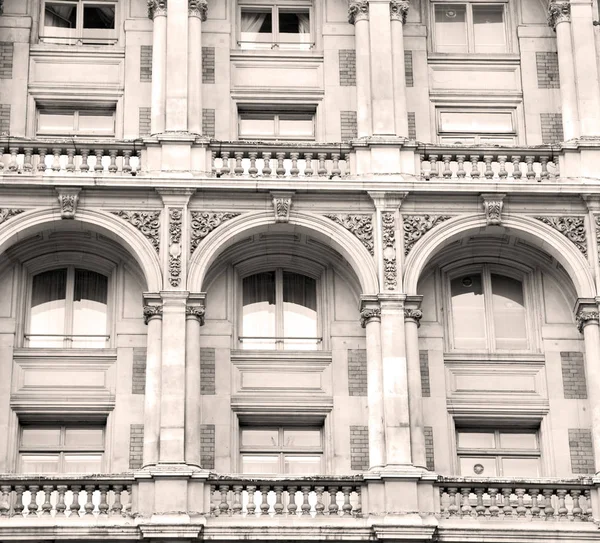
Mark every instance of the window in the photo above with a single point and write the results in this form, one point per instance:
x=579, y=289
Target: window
x=61, y=449
x=292, y=125
x=81, y=122
x=78, y=21
x=293, y=450
x=281, y=25
x=485, y=126
x=68, y=309
x=497, y=453
x=279, y=311
x=488, y=311
x=471, y=27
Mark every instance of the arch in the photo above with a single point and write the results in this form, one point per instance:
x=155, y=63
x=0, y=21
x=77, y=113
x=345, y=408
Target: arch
x=321, y=228
x=31, y=222
x=535, y=232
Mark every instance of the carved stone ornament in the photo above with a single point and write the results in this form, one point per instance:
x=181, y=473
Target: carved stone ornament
x=399, y=10
x=203, y=223
x=6, y=214
x=358, y=10
x=368, y=314
x=585, y=317
x=147, y=222
x=198, y=8
x=195, y=311
x=415, y=314
x=390, y=270
x=282, y=208
x=360, y=225
x=571, y=227
x=493, y=209
x=151, y=311
x=157, y=7
x=558, y=12
x=1, y=7
x=68, y=201
x=416, y=226
x=175, y=226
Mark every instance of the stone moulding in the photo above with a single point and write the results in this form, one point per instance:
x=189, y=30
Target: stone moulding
x=573, y=228
x=6, y=214
x=175, y=227
x=203, y=223
x=416, y=226
x=359, y=225
x=390, y=269
x=147, y=222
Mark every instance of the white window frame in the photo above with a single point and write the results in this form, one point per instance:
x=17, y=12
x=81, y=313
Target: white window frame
x=478, y=138
x=79, y=35
x=275, y=113
x=76, y=111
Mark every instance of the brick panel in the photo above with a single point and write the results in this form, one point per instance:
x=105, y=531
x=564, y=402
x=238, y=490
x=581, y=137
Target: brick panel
x=138, y=384
x=429, y=458
x=347, y=58
x=424, y=365
x=357, y=372
x=412, y=125
x=136, y=445
x=207, y=371
x=4, y=118
x=6, y=60
x=348, y=125
x=573, y=374
x=408, y=69
x=144, y=121
x=359, y=448
x=552, y=127
x=207, y=446
x=208, y=123
x=208, y=65
x=582, y=451
x=547, y=70
x=146, y=63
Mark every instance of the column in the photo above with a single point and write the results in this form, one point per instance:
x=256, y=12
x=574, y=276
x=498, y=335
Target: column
x=398, y=13
x=560, y=19
x=196, y=15
x=358, y=15
x=412, y=317
x=194, y=319
x=588, y=323
x=153, y=319
x=157, y=10
x=370, y=319
x=177, y=67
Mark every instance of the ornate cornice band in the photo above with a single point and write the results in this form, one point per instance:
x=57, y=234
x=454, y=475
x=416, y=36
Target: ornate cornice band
x=358, y=10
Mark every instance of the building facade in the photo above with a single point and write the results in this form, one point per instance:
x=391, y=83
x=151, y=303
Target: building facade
x=289, y=270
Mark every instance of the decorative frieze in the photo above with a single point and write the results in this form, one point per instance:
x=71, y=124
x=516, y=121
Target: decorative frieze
x=585, y=317
x=147, y=222
x=416, y=226
x=203, y=223
x=175, y=227
x=198, y=8
x=390, y=269
x=358, y=10
x=151, y=311
x=369, y=314
x=558, y=12
x=68, y=200
x=399, y=10
x=492, y=205
x=196, y=312
x=156, y=8
x=572, y=228
x=6, y=214
x=359, y=225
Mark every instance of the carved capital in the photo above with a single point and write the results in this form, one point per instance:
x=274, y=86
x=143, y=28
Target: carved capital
x=147, y=222
x=282, y=205
x=6, y=214
x=572, y=228
x=198, y=8
x=369, y=314
x=195, y=312
x=399, y=10
x=152, y=311
x=157, y=8
x=416, y=226
x=585, y=317
x=358, y=10
x=68, y=200
x=359, y=225
x=558, y=12
x=492, y=205
x=203, y=223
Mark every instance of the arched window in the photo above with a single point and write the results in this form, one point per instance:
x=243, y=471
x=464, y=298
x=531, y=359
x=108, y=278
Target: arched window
x=68, y=309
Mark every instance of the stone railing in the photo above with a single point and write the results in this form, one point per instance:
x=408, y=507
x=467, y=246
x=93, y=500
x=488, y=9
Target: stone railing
x=279, y=160
x=56, y=496
x=308, y=496
x=462, y=163
x=511, y=499
x=70, y=156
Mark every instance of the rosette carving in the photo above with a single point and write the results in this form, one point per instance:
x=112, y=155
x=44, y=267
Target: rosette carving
x=359, y=225
x=203, y=223
x=6, y=214
x=572, y=228
x=147, y=222
x=416, y=226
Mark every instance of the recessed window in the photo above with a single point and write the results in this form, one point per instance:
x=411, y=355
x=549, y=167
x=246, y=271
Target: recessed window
x=78, y=21
x=68, y=309
x=80, y=122
x=479, y=126
x=290, y=450
x=61, y=449
x=285, y=125
x=497, y=453
x=469, y=28
x=279, y=311
x=275, y=26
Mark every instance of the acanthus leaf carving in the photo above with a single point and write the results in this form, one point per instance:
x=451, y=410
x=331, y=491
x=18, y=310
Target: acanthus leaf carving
x=175, y=227
x=68, y=200
x=156, y=7
x=203, y=223
x=198, y=8
x=390, y=269
x=573, y=228
x=399, y=10
x=586, y=317
x=414, y=314
x=147, y=222
x=359, y=225
x=369, y=314
x=151, y=311
x=416, y=226
x=197, y=312
x=358, y=10
x=558, y=12
x=493, y=205
x=7, y=213
x=282, y=206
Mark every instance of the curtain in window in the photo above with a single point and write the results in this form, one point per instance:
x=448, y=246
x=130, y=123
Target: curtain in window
x=49, y=286
x=252, y=22
x=90, y=285
x=259, y=288
x=303, y=23
x=60, y=15
x=299, y=289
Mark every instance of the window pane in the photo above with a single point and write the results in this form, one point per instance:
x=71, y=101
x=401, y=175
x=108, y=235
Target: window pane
x=263, y=464
x=301, y=438
x=48, y=308
x=60, y=15
x=40, y=437
x=260, y=438
x=488, y=29
x=257, y=126
x=83, y=463
x=521, y=467
x=294, y=29
x=509, y=313
x=85, y=438
x=89, y=309
x=96, y=122
x=518, y=441
x=476, y=122
x=476, y=440
x=468, y=313
x=39, y=463
x=299, y=308
x=478, y=467
x=302, y=465
x=256, y=29
x=259, y=310
x=450, y=28
x=99, y=16
x=56, y=122
x=296, y=126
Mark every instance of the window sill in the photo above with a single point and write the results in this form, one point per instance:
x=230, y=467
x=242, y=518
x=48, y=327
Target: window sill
x=517, y=357
x=48, y=49
x=276, y=357
x=36, y=352
x=475, y=58
x=313, y=55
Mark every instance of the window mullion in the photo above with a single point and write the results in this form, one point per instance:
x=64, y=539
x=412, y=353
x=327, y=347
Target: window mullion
x=279, y=310
x=79, y=19
x=275, y=24
x=489, y=313
x=470, y=30
x=69, y=302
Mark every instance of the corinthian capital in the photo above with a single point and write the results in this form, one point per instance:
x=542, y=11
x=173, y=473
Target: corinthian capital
x=198, y=8
x=558, y=12
x=399, y=10
x=156, y=8
x=358, y=10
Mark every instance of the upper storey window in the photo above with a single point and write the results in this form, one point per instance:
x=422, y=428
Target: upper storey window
x=61, y=121
x=78, y=21
x=469, y=28
x=281, y=125
x=476, y=126
x=275, y=25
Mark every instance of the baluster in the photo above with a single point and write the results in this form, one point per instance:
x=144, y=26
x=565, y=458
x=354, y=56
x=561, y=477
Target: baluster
x=266, y=170
x=75, y=506
x=494, y=510
x=225, y=167
x=238, y=169
x=488, y=172
x=32, y=508
x=521, y=509
x=292, y=505
x=466, y=508
x=548, y=509
x=516, y=162
x=294, y=171
x=253, y=170
x=507, y=507
x=129, y=494
x=264, y=490
x=535, y=508
x=577, y=510
x=47, y=505
x=308, y=170
x=89, y=504
x=322, y=169
x=70, y=167
x=223, y=506
x=319, y=506
x=126, y=161
x=28, y=159
x=502, y=173
x=278, y=500
x=305, y=505
x=447, y=173
x=280, y=169
x=117, y=506
x=475, y=173
x=333, y=505
x=84, y=167
x=479, y=508
x=251, y=507
x=433, y=165
x=236, y=508
x=347, y=506
x=112, y=167
x=98, y=167
x=452, y=505
x=335, y=166
x=358, y=509
x=42, y=152
x=562, y=508
x=213, y=508
x=530, y=173
x=545, y=174
x=5, y=500
x=12, y=164
x=56, y=152
x=589, y=514
x=60, y=504
x=424, y=173
x=460, y=160
x=18, y=507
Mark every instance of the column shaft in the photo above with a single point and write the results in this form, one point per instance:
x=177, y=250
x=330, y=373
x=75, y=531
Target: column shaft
x=152, y=392
x=417, y=436
x=192, y=391
x=159, y=64
x=591, y=336
x=363, y=78
x=195, y=75
x=177, y=66
x=375, y=394
x=400, y=114
x=568, y=89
